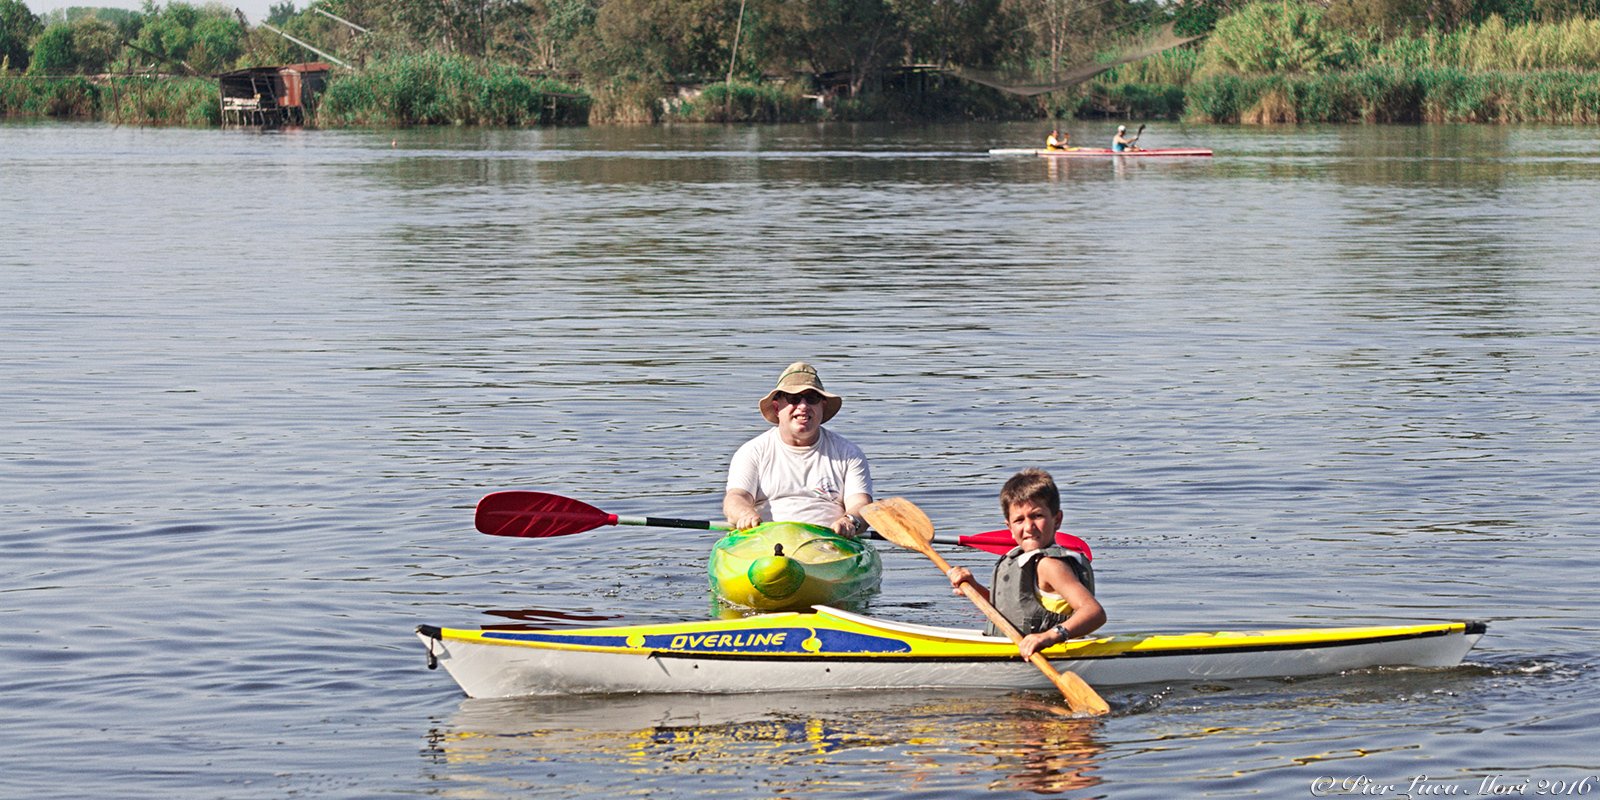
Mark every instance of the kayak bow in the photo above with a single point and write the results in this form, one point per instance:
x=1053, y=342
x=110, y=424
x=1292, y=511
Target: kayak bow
x=833, y=650
x=792, y=566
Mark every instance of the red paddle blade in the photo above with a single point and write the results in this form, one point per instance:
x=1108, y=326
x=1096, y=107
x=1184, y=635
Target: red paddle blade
x=1000, y=542
x=536, y=515
x=997, y=542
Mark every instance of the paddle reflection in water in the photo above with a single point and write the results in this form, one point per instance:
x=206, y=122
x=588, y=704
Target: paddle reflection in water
x=533, y=619
x=789, y=743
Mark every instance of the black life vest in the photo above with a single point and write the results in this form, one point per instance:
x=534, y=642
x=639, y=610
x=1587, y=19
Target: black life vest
x=1015, y=588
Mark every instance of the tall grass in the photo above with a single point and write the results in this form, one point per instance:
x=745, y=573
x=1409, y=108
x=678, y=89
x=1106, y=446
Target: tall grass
x=629, y=101
x=744, y=102
x=1264, y=67
x=154, y=101
x=1175, y=66
x=1150, y=88
x=436, y=89
x=38, y=96
x=1391, y=94
x=1494, y=47
x=129, y=100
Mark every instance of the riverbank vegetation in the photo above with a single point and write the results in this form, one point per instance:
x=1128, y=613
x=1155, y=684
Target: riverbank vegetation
x=544, y=62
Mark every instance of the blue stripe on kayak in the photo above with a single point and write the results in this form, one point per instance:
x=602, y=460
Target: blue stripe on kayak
x=1185, y=652
x=765, y=640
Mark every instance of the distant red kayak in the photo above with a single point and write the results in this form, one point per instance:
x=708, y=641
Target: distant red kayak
x=1105, y=152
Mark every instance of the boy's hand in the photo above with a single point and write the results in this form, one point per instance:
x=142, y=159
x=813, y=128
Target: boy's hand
x=957, y=576
x=1034, y=642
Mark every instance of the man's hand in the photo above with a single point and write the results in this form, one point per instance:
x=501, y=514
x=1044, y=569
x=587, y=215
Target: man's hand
x=849, y=526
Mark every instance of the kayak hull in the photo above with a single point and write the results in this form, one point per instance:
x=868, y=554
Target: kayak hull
x=791, y=566
x=838, y=650
x=1104, y=152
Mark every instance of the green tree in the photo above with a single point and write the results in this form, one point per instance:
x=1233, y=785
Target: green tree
x=18, y=26
x=852, y=37
x=204, y=40
x=1195, y=17
x=663, y=41
x=1059, y=34
x=942, y=32
x=454, y=26
x=52, y=52
x=97, y=43
x=279, y=14
x=556, y=29
x=217, y=42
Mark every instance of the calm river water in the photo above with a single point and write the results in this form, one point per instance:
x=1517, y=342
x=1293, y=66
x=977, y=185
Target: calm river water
x=254, y=384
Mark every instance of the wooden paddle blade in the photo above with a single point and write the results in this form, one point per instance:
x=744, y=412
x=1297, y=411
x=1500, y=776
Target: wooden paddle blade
x=1080, y=696
x=537, y=515
x=900, y=521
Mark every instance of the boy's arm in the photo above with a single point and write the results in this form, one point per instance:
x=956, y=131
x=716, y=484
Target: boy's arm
x=1087, y=614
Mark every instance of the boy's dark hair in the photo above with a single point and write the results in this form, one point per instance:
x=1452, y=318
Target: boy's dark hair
x=1031, y=484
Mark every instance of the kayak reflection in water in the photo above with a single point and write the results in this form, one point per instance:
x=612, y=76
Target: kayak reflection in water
x=1042, y=588
x=1057, y=140
x=1121, y=143
x=798, y=471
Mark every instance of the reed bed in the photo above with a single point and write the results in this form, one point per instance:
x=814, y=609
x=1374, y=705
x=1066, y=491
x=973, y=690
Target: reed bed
x=1495, y=47
x=435, y=89
x=743, y=102
x=123, y=99
x=1276, y=63
x=1391, y=94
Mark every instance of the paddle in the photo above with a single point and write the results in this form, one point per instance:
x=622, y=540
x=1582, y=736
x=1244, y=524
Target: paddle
x=901, y=522
x=537, y=515
x=1132, y=143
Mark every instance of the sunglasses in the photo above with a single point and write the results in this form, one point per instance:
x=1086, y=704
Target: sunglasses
x=794, y=399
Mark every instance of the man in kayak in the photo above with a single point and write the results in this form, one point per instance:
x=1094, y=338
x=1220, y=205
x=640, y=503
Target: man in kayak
x=799, y=471
x=1057, y=140
x=1038, y=586
x=1121, y=143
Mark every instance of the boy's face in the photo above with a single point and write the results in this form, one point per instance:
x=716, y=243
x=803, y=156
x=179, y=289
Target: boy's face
x=1032, y=526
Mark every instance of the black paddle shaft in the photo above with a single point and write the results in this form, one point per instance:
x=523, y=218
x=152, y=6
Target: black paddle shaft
x=668, y=522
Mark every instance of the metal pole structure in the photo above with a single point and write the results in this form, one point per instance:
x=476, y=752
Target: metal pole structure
x=306, y=46
x=341, y=19
x=727, y=100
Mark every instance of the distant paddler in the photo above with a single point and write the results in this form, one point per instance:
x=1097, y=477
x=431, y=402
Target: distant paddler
x=1122, y=144
x=799, y=471
x=1058, y=141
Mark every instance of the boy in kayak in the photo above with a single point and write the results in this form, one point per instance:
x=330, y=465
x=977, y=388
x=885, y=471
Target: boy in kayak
x=1121, y=143
x=1057, y=140
x=1037, y=587
x=798, y=471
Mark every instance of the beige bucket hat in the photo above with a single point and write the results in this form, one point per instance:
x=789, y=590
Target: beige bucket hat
x=799, y=378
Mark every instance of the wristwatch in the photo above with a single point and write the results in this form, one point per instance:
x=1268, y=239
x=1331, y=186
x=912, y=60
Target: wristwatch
x=1061, y=630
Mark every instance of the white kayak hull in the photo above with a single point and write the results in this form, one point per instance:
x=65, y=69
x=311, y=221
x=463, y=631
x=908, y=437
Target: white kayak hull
x=836, y=650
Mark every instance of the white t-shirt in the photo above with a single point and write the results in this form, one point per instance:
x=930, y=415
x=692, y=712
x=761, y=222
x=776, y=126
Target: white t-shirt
x=800, y=484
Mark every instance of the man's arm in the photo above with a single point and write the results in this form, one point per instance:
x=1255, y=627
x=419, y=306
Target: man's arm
x=852, y=523
x=739, y=506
